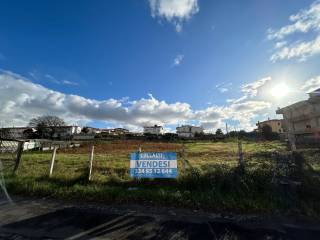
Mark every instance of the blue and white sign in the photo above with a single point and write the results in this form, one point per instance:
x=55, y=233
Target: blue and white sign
x=153, y=165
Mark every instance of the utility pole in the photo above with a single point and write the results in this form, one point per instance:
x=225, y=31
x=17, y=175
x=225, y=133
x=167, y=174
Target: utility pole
x=227, y=131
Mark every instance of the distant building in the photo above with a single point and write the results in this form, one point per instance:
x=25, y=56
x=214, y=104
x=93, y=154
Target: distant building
x=15, y=132
x=105, y=131
x=59, y=132
x=302, y=119
x=188, y=131
x=113, y=131
x=91, y=130
x=119, y=131
x=156, y=130
x=275, y=124
x=63, y=132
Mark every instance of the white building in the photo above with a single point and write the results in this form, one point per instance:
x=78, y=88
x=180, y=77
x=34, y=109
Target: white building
x=61, y=132
x=65, y=132
x=302, y=119
x=156, y=130
x=91, y=130
x=188, y=131
x=119, y=131
x=114, y=131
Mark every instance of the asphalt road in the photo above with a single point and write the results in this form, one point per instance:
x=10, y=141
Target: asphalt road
x=50, y=219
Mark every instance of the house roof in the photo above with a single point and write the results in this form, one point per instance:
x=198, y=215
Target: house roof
x=62, y=126
x=15, y=127
x=155, y=126
x=292, y=106
x=270, y=120
x=316, y=91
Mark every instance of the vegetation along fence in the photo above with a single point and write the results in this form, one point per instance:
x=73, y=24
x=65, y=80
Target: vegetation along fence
x=10, y=153
x=226, y=174
x=100, y=160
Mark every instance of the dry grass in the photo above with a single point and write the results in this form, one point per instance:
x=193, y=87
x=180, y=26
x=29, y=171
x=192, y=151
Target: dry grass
x=210, y=182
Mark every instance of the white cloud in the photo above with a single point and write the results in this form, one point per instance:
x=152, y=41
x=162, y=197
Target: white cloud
x=51, y=78
x=305, y=21
x=54, y=80
x=174, y=11
x=311, y=84
x=280, y=44
x=22, y=100
x=223, y=87
x=178, y=60
x=19, y=95
x=251, y=89
x=300, y=50
x=66, y=82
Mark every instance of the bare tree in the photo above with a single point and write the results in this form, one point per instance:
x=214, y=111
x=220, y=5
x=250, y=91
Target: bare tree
x=46, y=124
x=47, y=121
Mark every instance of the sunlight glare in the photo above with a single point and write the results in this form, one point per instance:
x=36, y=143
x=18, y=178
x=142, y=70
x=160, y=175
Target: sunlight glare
x=280, y=90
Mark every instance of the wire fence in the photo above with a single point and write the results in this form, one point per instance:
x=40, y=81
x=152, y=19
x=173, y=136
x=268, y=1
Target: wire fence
x=10, y=153
x=100, y=160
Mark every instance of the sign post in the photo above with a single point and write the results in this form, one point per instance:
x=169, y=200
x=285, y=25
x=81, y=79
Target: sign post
x=52, y=160
x=90, y=162
x=153, y=165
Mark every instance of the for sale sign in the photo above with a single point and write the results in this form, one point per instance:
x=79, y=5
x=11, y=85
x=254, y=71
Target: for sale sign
x=153, y=165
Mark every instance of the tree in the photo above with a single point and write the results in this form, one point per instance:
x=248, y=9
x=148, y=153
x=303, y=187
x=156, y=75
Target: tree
x=85, y=130
x=30, y=133
x=46, y=124
x=219, y=132
x=47, y=121
x=242, y=134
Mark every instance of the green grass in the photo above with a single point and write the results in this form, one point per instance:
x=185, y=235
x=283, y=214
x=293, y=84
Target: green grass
x=212, y=180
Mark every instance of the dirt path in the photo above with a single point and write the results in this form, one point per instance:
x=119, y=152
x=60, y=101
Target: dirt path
x=50, y=219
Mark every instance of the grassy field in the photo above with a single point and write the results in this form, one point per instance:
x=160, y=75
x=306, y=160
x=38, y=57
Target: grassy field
x=212, y=179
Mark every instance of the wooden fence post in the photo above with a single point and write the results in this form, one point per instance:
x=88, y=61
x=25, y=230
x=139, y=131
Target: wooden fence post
x=19, y=154
x=140, y=148
x=52, y=160
x=183, y=159
x=292, y=141
x=91, y=162
x=240, y=155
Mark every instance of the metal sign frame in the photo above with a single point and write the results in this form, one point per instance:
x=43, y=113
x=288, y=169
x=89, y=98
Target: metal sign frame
x=153, y=165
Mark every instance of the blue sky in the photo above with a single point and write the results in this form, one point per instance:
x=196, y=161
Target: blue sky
x=142, y=62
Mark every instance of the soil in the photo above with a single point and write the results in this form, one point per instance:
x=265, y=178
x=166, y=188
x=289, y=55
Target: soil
x=52, y=219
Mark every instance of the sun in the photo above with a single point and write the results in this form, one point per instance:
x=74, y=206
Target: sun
x=280, y=90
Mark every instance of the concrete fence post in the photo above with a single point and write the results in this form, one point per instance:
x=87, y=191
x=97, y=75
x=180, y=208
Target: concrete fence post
x=52, y=160
x=91, y=162
x=18, y=158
